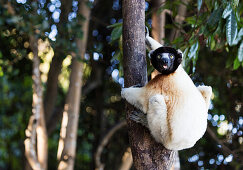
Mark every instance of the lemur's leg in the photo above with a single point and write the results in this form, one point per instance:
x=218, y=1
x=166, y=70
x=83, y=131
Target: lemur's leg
x=206, y=92
x=135, y=96
x=157, y=119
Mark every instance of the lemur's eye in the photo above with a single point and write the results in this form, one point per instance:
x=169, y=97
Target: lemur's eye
x=158, y=56
x=171, y=56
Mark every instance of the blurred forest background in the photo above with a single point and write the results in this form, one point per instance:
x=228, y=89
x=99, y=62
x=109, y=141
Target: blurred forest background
x=61, y=73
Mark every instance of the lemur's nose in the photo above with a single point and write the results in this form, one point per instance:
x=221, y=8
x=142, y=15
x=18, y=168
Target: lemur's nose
x=165, y=60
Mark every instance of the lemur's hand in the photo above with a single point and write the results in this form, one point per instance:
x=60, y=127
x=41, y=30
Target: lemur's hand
x=146, y=31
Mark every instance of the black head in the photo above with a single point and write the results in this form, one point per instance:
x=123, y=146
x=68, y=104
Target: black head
x=166, y=59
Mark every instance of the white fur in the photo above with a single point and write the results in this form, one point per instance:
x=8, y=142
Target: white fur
x=189, y=120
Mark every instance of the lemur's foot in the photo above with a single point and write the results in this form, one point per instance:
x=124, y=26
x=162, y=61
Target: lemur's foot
x=139, y=117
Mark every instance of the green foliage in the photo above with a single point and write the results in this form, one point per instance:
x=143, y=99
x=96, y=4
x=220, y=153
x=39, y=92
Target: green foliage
x=240, y=52
x=231, y=28
x=116, y=33
x=212, y=43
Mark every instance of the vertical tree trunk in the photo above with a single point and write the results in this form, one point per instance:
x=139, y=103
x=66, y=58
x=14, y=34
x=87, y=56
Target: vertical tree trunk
x=158, y=21
x=56, y=65
x=179, y=19
x=147, y=154
x=36, y=153
x=68, y=134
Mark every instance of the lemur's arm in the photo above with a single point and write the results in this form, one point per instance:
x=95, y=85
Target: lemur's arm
x=151, y=43
x=135, y=96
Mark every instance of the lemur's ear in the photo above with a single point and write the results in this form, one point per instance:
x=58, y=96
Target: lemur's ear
x=150, y=53
x=180, y=53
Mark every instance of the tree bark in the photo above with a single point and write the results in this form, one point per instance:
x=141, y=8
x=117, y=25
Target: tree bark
x=36, y=153
x=147, y=154
x=68, y=134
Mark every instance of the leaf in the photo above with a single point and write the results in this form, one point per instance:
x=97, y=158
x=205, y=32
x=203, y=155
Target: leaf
x=116, y=33
x=115, y=25
x=191, y=20
x=199, y=4
x=231, y=28
x=193, y=50
x=240, y=52
x=215, y=17
x=235, y=3
x=227, y=11
x=239, y=35
x=236, y=64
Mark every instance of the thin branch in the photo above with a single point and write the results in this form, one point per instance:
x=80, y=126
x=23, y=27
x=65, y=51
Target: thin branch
x=90, y=86
x=126, y=160
x=36, y=154
x=105, y=140
x=225, y=149
x=29, y=142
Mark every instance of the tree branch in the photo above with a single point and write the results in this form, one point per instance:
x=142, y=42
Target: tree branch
x=68, y=134
x=29, y=142
x=37, y=157
x=105, y=140
x=126, y=160
x=56, y=64
x=225, y=149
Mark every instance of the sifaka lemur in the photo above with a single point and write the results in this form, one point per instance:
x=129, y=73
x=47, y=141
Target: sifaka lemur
x=174, y=109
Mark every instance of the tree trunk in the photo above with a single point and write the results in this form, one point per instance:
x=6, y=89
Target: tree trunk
x=68, y=134
x=158, y=21
x=36, y=153
x=179, y=19
x=147, y=154
x=56, y=66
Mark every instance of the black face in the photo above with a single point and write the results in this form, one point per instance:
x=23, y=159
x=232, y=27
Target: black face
x=166, y=59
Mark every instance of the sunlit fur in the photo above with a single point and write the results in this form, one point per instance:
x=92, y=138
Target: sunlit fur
x=176, y=109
